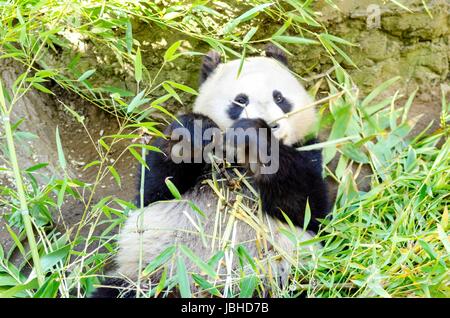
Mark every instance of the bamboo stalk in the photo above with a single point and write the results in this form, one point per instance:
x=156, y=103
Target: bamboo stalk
x=318, y=102
x=20, y=188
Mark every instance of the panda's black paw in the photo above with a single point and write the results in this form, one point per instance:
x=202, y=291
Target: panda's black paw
x=249, y=140
x=253, y=123
x=186, y=137
x=247, y=132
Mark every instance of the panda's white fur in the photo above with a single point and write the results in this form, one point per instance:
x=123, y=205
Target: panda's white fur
x=150, y=231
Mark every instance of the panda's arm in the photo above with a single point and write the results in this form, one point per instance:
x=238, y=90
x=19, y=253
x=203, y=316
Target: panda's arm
x=297, y=179
x=161, y=165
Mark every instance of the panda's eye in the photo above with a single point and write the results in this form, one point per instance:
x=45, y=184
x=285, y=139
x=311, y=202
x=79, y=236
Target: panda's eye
x=282, y=102
x=278, y=97
x=241, y=100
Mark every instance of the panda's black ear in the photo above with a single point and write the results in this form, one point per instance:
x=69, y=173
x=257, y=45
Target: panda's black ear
x=276, y=53
x=210, y=61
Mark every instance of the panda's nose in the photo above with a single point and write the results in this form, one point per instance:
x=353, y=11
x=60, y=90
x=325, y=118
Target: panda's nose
x=275, y=126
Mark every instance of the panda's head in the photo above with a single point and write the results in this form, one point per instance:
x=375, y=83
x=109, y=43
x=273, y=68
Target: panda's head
x=265, y=88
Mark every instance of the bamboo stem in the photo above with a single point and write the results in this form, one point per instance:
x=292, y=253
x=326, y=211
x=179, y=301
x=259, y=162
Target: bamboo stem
x=318, y=102
x=20, y=188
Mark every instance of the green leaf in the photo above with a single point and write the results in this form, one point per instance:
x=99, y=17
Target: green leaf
x=36, y=167
x=182, y=87
x=198, y=261
x=42, y=88
x=230, y=26
x=247, y=286
x=45, y=73
x=293, y=39
x=61, y=158
x=91, y=164
x=379, y=89
x=216, y=258
x=104, y=144
x=7, y=280
x=51, y=259
x=49, y=289
x=137, y=101
x=172, y=92
x=138, y=66
x=444, y=238
x=86, y=75
x=163, y=110
x=307, y=216
x=183, y=279
x=245, y=255
x=170, y=53
x=18, y=288
x=249, y=35
x=427, y=248
x=138, y=157
x=162, y=282
x=284, y=27
x=148, y=147
x=205, y=285
x=61, y=193
x=115, y=175
x=159, y=260
x=173, y=189
x=410, y=162
x=354, y=153
x=337, y=39
x=15, y=239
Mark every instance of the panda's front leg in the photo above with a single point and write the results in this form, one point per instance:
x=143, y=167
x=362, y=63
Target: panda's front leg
x=286, y=178
x=181, y=159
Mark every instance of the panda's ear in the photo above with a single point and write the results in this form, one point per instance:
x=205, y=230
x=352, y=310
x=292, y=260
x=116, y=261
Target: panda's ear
x=276, y=53
x=210, y=61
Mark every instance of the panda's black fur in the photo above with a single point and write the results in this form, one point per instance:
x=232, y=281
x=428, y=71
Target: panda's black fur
x=298, y=179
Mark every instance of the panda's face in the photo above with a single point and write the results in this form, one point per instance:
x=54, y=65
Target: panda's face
x=264, y=89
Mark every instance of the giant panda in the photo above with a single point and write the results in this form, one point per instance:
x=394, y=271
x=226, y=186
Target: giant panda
x=261, y=93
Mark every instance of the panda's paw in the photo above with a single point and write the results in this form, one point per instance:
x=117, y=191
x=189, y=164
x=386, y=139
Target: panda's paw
x=253, y=123
x=248, y=139
x=186, y=137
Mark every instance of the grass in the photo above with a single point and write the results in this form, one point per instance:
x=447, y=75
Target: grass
x=389, y=241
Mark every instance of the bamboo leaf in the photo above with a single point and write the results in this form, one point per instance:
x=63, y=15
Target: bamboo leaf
x=198, y=261
x=42, y=88
x=170, y=53
x=86, y=75
x=115, y=175
x=138, y=66
x=159, y=260
x=183, y=279
x=61, y=158
x=172, y=188
x=247, y=286
x=293, y=39
x=230, y=26
x=51, y=259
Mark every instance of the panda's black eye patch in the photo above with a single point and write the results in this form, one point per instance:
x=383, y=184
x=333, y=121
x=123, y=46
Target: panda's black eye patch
x=241, y=100
x=281, y=101
x=237, y=106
